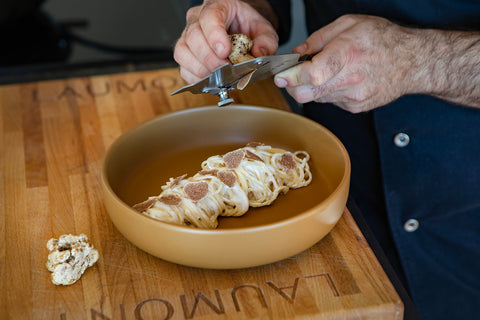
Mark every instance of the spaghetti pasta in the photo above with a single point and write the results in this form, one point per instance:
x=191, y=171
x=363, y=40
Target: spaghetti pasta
x=227, y=185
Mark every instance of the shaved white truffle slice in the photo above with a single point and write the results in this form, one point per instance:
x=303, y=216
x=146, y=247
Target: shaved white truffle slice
x=69, y=257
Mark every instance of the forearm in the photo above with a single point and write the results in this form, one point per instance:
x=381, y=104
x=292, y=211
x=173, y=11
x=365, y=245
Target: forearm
x=448, y=66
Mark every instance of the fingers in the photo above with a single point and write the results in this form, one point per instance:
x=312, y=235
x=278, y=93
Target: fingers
x=302, y=94
x=265, y=43
x=250, y=22
x=331, y=57
x=307, y=93
x=188, y=61
x=188, y=76
x=193, y=51
x=347, y=99
x=352, y=67
x=265, y=38
x=204, y=44
x=213, y=21
x=320, y=38
x=323, y=67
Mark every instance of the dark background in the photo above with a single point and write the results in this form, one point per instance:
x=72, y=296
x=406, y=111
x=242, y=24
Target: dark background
x=46, y=32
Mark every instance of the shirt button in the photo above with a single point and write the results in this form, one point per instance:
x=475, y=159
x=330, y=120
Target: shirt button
x=401, y=140
x=411, y=225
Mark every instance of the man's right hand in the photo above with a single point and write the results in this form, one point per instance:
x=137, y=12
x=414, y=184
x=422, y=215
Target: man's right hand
x=204, y=44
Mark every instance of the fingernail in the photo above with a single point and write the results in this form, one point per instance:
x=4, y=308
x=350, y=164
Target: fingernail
x=300, y=48
x=219, y=48
x=263, y=51
x=280, y=82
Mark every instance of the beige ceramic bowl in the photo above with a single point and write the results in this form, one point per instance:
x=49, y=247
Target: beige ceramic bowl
x=140, y=161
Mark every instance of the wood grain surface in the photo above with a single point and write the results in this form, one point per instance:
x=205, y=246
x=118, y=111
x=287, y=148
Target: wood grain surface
x=53, y=136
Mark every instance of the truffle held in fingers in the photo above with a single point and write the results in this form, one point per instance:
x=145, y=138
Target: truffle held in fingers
x=241, y=46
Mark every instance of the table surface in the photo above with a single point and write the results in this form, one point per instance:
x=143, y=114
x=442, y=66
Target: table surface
x=53, y=136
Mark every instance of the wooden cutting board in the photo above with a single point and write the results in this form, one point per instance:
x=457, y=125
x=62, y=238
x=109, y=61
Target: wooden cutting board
x=53, y=136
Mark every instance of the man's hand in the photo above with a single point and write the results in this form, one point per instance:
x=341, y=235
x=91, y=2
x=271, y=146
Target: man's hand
x=364, y=62
x=356, y=65
x=204, y=44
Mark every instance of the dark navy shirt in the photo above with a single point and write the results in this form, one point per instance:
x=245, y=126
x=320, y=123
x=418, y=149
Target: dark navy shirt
x=415, y=165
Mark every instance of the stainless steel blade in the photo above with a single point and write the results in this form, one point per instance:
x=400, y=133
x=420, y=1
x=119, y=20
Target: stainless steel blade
x=274, y=64
x=226, y=77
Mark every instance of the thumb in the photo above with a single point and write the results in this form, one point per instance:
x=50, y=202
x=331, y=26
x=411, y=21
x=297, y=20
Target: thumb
x=291, y=77
x=324, y=66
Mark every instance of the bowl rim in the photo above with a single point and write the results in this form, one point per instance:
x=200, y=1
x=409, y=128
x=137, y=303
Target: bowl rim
x=241, y=230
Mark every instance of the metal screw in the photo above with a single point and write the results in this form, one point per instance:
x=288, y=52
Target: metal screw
x=224, y=98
